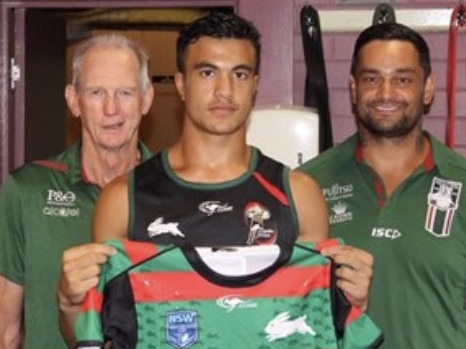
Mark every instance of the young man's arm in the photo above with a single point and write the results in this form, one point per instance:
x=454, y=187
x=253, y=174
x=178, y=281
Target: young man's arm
x=11, y=306
x=310, y=207
x=81, y=265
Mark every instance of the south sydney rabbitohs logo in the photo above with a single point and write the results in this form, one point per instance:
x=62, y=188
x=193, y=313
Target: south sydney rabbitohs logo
x=60, y=204
x=283, y=326
x=159, y=227
x=256, y=216
x=443, y=201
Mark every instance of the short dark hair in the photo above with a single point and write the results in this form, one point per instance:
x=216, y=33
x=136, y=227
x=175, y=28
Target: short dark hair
x=393, y=31
x=219, y=25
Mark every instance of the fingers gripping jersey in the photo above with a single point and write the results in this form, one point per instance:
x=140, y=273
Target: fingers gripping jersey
x=155, y=296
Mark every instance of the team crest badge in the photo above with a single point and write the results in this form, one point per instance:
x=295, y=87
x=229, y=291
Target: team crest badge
x=443, y=200
x=182, y=330
x=256, y=217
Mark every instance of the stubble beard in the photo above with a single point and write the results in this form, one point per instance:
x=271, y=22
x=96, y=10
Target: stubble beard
x=402, y=127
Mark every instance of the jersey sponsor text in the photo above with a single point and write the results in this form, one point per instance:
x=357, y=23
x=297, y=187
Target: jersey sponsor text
x=386, y=233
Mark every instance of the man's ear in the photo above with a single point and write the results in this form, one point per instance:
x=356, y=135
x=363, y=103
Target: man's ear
x=147, y=99
x=352, y=89
x=71, y=97
x=179, y=83
x=429, y=89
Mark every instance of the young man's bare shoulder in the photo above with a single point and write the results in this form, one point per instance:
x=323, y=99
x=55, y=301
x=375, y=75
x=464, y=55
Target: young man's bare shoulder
x=299, y=179
x=118, y=183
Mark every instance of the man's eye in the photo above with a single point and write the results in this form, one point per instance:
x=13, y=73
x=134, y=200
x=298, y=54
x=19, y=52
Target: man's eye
x=369, y=80
x=95, y=93
x=125, y=93
x=207, y=73
x=404, y=80
x=241, y=75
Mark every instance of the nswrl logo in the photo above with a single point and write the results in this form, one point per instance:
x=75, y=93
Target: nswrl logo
x=182, y=328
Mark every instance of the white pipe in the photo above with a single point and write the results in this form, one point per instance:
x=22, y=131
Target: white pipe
x=356, y=20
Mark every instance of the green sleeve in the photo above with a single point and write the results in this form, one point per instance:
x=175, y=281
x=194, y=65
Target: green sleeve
x=12, y=240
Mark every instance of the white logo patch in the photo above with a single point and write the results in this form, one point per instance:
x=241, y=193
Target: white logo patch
x=60, y=204
x=340, y=213
x=231, y=302
x=211, y=207
x=338, y=192
x=443, y=201
x=158, y=227
x=282, y=326
x=387, y=233
x=335, y=196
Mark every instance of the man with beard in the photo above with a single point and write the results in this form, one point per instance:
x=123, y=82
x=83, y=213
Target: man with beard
x=395, y=191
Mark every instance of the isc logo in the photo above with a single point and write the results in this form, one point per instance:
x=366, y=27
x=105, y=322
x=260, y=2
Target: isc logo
x=387, y=233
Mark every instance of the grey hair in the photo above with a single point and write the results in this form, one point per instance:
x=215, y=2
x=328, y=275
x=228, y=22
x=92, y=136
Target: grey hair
x=112, y=40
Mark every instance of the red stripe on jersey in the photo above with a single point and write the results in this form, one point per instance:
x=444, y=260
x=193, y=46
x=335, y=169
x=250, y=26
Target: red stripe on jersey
x=277, y=193
x=326, y=243
x=138, y=251
x=353, y=315
x=92, y=301
x=429, y=161
x=52, y=164
x=189, y=285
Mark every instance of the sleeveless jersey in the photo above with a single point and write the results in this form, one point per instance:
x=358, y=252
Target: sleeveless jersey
x=255, y=208
x=162, y=296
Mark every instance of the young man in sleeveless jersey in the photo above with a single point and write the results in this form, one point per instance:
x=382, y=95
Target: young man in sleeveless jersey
x=211, y=187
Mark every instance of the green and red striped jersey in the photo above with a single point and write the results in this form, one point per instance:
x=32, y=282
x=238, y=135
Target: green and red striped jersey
x=164, y=296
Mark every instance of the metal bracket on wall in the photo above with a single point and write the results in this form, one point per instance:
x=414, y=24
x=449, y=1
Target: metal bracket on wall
x=15, y=73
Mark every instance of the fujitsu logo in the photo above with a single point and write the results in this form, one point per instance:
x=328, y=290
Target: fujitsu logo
x=337, y=191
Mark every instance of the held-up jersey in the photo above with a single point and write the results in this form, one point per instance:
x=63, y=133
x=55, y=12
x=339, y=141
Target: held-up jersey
x=163, y=296
x=255, y=208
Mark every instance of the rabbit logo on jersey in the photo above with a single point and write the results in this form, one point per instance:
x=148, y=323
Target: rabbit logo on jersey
x=283, y=326
x=182, y=330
